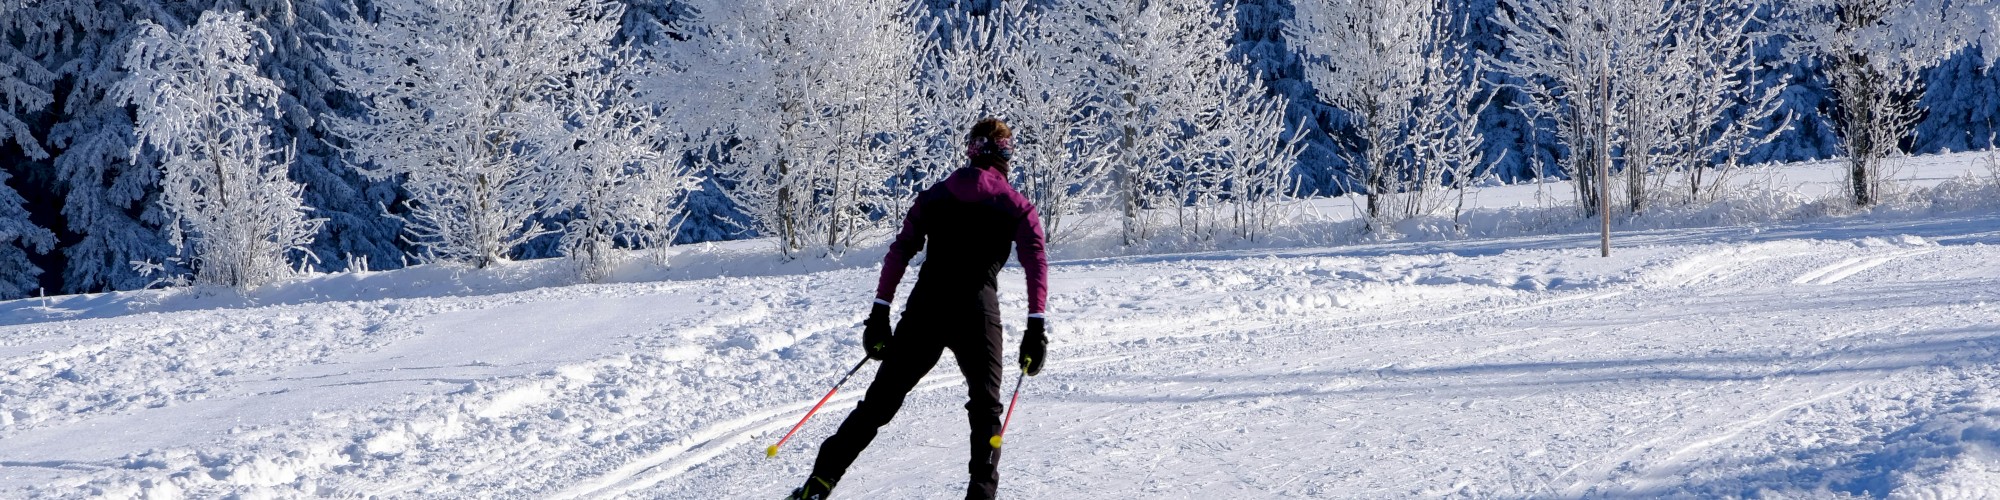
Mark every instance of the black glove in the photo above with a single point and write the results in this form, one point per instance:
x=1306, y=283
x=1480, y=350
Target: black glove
x=875, y=335
x=1034, y=347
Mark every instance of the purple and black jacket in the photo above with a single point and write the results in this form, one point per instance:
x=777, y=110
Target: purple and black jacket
x=967, y=222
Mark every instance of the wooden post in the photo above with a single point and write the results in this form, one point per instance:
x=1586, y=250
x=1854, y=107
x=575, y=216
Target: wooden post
x=1604, y=154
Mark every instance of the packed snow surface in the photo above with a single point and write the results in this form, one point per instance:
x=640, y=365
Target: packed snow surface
x=1839, y=355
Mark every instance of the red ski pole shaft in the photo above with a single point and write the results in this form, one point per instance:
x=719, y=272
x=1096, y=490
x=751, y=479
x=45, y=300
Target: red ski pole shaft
x=773, y=450
x=1010, y=409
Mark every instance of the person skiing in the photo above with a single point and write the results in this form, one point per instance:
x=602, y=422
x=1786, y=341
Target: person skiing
x=965, y=224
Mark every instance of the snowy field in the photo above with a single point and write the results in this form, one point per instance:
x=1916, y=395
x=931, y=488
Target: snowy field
x=1756, y=348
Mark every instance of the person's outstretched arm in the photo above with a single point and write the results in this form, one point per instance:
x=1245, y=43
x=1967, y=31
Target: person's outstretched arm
x=1029, y=248
x=876, y=335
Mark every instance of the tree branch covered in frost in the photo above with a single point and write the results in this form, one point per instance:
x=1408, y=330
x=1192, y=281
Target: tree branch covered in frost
x=456, y=90
x=205, y=110
x=819, y=95
x=1411, y=93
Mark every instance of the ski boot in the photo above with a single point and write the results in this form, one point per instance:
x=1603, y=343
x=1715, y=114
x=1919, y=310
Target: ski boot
x=814, y=489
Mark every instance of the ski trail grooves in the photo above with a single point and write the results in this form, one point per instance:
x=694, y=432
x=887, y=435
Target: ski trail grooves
x=1848, y=268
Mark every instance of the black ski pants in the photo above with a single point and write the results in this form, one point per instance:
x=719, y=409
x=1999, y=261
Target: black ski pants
x=921, y=339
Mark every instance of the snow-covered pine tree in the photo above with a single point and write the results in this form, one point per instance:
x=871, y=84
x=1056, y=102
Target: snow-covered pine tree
x=63, y=58
x=1411, y=93
x=204, y=110
x=23, y=82
x=818, y=96
x=18, y=236
x=454, y=89
x=1962, y=105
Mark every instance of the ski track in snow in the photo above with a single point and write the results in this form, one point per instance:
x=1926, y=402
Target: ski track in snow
x=1854, y=361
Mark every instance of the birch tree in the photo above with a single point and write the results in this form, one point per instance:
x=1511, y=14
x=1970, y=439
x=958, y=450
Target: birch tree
x=203, y=107
x=454, y=90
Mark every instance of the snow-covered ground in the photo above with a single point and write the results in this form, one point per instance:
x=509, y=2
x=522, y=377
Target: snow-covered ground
x=1759, y=348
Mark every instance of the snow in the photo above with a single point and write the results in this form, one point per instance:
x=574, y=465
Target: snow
x=1773, y=345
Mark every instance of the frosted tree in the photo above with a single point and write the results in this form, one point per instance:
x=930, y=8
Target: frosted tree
x=1722, y=109
x=625, y=177
x=1003, y=63
x=1573, y=55
x=355, y=235
x=1872, y=52
x=202, y=108
x=819, y=94
x=1158, y=72
x=455, y=90
x=1239, y=160
x=1410, y=92
x=1667, y=85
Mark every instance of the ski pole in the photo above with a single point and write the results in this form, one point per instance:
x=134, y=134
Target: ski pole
x=1010, y=410
x=773, y=450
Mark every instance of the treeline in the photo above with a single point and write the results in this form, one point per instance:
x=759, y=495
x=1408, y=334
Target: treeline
x=237, y=142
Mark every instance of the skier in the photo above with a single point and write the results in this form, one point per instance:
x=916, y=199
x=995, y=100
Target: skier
x=965, y=223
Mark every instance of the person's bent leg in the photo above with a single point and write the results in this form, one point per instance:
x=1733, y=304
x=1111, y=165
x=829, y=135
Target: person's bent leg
x=978, y=354
x=908, y=360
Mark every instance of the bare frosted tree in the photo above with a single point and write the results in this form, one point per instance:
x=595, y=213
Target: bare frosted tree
x=1872, y=52
x=204, y=109
x=1410, y=90
x=1572, y=55
x=456, y=90
x=1720, y=112
x=1158, y=65
x=625, y=179
x=1671, y=86
x=820, y=94
x=1246, y=159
